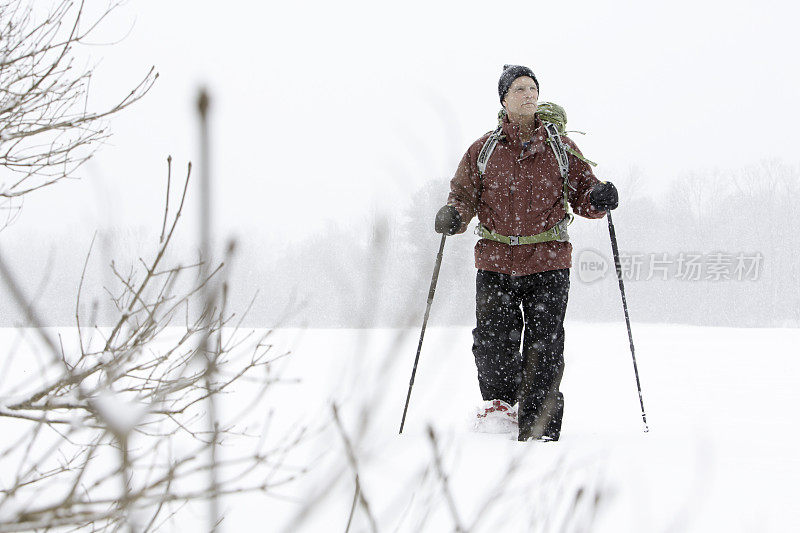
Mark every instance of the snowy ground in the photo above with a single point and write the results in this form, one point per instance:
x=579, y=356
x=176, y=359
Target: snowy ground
x=721, y=454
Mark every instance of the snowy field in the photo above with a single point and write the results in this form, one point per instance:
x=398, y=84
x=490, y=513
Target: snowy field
x=721, y=454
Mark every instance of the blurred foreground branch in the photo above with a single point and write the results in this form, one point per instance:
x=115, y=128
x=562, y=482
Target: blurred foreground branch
x=112, y=432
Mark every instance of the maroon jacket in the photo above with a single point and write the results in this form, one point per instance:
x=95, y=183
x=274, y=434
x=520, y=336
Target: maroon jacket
x=522, y=194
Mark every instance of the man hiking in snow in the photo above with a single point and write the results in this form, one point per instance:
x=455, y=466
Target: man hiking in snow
x=521, y=181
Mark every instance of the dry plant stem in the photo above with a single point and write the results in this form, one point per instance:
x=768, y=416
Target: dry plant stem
x=78, y=297
x=209, y=298
x=496, y=495
x=69, y=498
x=150, y=272
x=125, y=479
x=151, y=524
x=451, y=504
x=20, y=477
x=548, y=407
x=166, y=202
x=148, y=495
x=353, y=507
x=421, y=477
x=351, y=457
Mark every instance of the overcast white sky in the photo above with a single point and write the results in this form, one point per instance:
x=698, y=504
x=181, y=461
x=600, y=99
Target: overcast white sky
x=331, y=111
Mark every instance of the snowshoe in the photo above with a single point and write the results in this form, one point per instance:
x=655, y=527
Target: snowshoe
x=495, y=416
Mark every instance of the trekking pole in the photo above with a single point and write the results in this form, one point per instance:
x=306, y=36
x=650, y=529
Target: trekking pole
x=615, y=250
x=424, y=324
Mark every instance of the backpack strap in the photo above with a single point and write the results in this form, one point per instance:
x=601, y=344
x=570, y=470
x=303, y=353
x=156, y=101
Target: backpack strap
x=560, y=151
x=486, y=151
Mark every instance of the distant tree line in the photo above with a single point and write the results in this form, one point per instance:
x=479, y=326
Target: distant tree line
x=718, y=249
x=377, y=272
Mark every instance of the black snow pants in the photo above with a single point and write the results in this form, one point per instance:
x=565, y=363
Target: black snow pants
x=527, y=310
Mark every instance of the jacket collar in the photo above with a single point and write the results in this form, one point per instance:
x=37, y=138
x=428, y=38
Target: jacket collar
x=512, y=136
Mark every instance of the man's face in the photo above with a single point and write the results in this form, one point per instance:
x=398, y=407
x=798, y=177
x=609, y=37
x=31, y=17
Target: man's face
x=522, y=98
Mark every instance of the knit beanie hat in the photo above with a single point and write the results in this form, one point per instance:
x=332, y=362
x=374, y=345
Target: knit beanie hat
x=510, y=73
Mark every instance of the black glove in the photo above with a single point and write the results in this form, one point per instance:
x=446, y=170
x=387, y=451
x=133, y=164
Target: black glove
x=448, y=220
x=604, y=196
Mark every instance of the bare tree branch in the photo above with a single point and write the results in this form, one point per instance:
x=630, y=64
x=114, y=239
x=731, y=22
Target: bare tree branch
x=47, y=131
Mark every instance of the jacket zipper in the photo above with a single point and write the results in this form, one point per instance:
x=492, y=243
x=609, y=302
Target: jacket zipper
x=514, y=176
